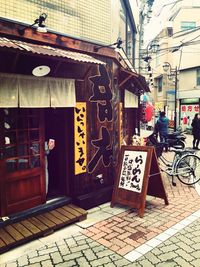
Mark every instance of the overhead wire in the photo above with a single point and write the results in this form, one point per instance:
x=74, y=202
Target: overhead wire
x=175, y=2
x=183, y=44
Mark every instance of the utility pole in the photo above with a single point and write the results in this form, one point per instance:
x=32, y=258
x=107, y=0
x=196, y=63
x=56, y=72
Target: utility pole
x=173, y=73
x=145, y=15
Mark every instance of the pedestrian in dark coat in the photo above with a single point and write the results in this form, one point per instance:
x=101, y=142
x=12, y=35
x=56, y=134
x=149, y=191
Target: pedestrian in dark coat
x=196, y=130
x=161, y=126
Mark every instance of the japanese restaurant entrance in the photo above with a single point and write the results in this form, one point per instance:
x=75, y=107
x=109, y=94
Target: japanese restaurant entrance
x=22, y=156
x=40, y=108
x=58, y=126
x=22, y=172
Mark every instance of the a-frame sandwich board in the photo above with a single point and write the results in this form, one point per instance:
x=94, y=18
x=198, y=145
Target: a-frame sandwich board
x=138, y=175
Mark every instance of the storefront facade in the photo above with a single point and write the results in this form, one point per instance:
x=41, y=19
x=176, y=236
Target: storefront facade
x=80, y=104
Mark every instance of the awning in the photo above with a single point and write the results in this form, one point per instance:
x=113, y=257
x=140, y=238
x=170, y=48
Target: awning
x=133, y=82
x=48, y=51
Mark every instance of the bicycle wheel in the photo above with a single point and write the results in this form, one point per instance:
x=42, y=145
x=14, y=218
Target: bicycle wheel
x=188, y=169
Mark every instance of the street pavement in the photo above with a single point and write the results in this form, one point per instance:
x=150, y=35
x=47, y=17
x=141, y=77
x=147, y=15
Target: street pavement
x=167, y=235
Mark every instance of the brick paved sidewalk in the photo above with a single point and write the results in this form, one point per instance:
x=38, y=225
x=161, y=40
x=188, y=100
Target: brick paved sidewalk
x=182, y=249
x=126, y=231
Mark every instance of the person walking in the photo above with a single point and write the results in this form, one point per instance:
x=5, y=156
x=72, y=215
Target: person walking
x=196, y=131
x=161, y=126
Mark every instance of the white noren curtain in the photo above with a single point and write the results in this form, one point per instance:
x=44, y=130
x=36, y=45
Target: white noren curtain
x=8, y=92
x=33, y=93
x=62, y=93
x=36, y=92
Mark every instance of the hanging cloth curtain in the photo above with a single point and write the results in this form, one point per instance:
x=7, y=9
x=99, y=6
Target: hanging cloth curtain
x=8, y=91
x=31, y=92
x=62, y=93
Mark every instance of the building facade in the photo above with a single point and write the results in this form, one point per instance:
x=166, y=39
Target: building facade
x=67, y=84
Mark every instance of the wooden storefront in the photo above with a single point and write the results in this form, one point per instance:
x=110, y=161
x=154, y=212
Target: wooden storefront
x=88, y=134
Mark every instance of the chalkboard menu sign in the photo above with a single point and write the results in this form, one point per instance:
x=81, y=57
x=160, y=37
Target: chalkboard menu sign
x=138, y=174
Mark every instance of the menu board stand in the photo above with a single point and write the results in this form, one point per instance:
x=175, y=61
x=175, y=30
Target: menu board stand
x=138, y=175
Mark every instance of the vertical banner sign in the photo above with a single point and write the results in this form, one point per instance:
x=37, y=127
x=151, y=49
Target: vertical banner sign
x=80, y=137
x=102, y=98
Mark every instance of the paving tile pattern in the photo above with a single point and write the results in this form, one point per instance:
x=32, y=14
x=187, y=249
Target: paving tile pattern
x=126, y=231
x=181, y=250
x=77, y=250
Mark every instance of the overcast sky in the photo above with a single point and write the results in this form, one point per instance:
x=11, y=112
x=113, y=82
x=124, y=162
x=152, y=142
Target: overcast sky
x=159, y=16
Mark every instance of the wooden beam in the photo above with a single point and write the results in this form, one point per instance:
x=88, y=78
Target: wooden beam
x=125, y=80
x=129, y=72
x=8, y=28
x=140, y=86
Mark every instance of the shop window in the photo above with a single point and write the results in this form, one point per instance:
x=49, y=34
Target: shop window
x=188, y=25
x=35, y=162
x=22, y=142
x=122, y=25
x=198, y=77
x=34, y=135
x=22, y=136
x=23, y=164
x=127, y=31
x=10, y=151
x=11, y=165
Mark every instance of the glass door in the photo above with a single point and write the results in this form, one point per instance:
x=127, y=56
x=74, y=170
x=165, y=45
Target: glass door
x=22, y=159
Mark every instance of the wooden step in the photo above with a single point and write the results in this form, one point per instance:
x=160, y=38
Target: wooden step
x=15, y=234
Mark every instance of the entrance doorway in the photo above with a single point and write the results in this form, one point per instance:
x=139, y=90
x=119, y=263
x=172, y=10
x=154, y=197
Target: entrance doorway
x=21, y=159
x=55, y=128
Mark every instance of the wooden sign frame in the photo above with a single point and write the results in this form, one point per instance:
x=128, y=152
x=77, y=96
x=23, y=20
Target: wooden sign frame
x=140, y=177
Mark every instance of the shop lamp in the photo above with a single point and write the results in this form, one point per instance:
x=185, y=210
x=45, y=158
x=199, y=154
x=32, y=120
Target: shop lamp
x=41, y=71
x=118, y=45
x=166, y=66
x=40, y=22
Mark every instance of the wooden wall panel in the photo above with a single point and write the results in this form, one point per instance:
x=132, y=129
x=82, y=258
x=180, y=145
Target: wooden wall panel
x=20, y=190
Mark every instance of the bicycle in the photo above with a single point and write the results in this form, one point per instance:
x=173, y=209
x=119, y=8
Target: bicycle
x=185, y=164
